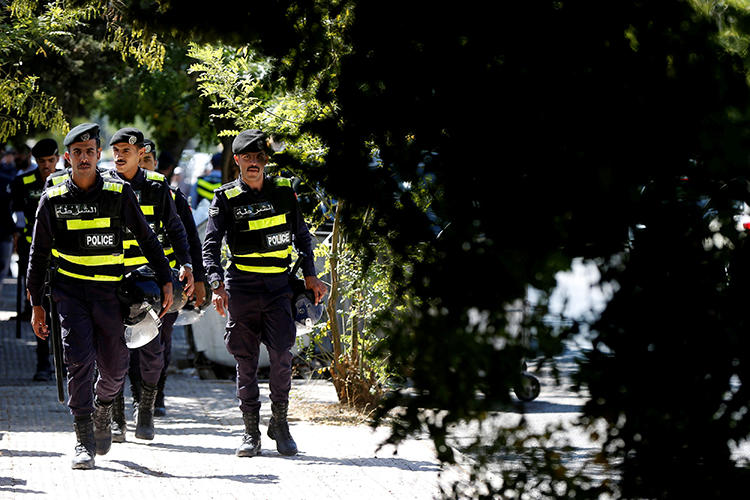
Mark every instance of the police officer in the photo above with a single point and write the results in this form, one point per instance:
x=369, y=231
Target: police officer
x=80, y=221
x=261, y=219
x=150, y=162
x=155, y=199
x=26, y=190
x=204, y=187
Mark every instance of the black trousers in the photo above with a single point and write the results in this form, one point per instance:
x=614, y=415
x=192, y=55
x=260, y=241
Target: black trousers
x=254, y=318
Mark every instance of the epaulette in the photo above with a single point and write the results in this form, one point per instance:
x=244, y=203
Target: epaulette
x=29, y=178
x=154, y=176
x=282, y=181
x=58, y=177
x=113, y=185
x=230, y=189
x=56, y=190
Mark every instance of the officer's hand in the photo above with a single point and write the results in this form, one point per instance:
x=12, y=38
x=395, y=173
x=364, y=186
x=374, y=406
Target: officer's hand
x=186, y=275
x=167, y=297
x=317, y=286
x=39, y=322
x=220, y=300
x=200, y=293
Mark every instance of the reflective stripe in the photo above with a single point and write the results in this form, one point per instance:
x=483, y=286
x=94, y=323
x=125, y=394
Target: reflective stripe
x=129, y=243
x=74, y=224
x=279, y=254
x=154, y=176
x=136, y=261
x=90, y=260
x=96, y=277
x=174, y=195
x=57, y=180
x=260, y=269
x=172, y=263
x=113, y=186
x=147, y=209
x=204, y=193
x=231, y=193
x=168, y=251
x=28, y=238
x=283, y=181
x=28, y=179
x=276, y=220
x=57, y=191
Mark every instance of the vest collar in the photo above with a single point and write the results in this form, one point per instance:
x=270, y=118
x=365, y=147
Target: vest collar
x=80, y=193
x=247, y=189
x=138, y=179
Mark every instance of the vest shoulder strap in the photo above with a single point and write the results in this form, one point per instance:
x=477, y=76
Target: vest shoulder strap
x=29, y=178
x=230, y=189
x=113, y=186
x=154, y=176
x=282, y=181
x=58, y=190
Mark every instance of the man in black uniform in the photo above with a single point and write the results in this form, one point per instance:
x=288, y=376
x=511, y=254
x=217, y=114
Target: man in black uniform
x=155, y=199
x=80, y=222
x=150, y=163
x=261, y=219
x=26, y=190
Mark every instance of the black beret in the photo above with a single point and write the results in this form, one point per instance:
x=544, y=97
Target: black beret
x=249, y=141
x=82, y=133
x=128, y=134
x=45, y=147
x=150, y=146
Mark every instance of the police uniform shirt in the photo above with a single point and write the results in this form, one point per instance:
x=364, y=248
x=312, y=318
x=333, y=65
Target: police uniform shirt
x=172, y=225
x=220, y=222
x=26, y=191
x=185, y=214
x=131, y=217
x=203, y=189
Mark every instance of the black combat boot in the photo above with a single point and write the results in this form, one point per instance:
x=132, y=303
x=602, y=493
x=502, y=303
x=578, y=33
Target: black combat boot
x=119, y=427
x=278, y=428
x=250, y=446
x=135, y=388
x=102, y=426
x=85, y=443
x=144, y=413
x=159, y=409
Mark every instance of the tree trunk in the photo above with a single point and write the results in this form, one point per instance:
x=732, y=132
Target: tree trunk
x=333, y=299
x=228, y=167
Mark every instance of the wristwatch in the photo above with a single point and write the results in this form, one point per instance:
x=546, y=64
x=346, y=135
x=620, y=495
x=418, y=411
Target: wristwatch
x=188, y=266
x=215, y=284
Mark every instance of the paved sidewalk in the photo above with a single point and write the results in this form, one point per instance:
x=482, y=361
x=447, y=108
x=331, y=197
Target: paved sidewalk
x=192, y=454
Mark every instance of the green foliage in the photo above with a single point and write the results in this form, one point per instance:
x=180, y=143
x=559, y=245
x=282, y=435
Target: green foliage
x=538, y=124
x=50, y=60
x=235, y=82
x=360, y=291
x=168, y=101
x=28, y=29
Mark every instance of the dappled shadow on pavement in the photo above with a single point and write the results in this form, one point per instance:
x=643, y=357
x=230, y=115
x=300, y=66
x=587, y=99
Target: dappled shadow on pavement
x=14, y=485
x=397, y=463
x=184, y=448
x=304, y=459
x=542, y=406
x=252, y=478
x=26, y=453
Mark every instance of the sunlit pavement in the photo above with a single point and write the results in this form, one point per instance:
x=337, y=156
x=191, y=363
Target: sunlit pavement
x=193, y=452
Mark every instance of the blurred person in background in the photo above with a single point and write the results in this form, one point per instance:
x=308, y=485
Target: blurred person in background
x=178, y=182
x=204, y=187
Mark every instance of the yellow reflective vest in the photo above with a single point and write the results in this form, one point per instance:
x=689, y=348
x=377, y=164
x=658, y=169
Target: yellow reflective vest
x=88, y=234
